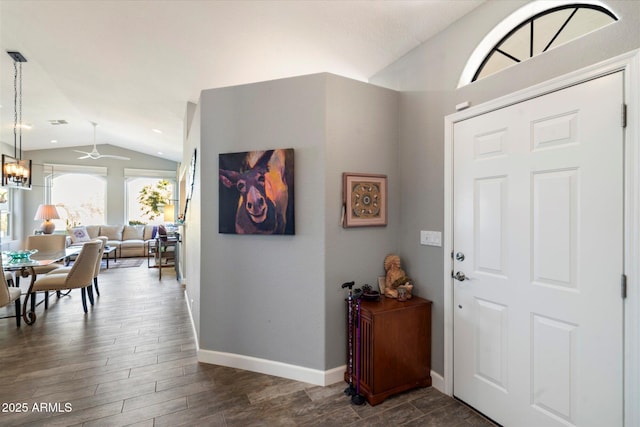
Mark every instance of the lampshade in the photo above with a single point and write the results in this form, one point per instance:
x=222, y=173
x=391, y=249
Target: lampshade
x=46, y=212
x=169, y=215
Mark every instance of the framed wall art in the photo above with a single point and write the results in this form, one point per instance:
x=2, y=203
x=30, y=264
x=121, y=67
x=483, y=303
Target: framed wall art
x=365, y=200
x=257, y=192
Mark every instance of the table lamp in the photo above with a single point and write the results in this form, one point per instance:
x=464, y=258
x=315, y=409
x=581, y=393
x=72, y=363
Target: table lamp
x=169, y=216
x=47, y=213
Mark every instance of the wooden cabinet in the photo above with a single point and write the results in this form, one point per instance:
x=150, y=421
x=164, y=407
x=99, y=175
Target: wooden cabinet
x=395, y=347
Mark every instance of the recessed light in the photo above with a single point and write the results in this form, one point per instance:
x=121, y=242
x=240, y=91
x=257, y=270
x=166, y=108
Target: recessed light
x=53, y=141
x=160, y=153
x=157, y=130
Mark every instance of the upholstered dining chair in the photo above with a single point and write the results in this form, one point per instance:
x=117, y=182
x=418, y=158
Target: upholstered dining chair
x=66, y=269
x=44, y=243
x=96, y=272
x=8, y=295
x=80, y=275
x=8, y=276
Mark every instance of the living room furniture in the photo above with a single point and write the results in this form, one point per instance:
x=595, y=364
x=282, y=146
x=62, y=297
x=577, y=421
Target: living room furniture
x=43, y=243
x=108, y=251
x=395, y=349
x=129, y=240
x=96, y=272
x=80, y=276
x=150, y=251
x=26, y=265
x=165, y=253
x=8, y=295
x=46, y=213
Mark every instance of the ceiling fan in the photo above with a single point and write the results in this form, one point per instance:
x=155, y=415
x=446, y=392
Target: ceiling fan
x=94, y=153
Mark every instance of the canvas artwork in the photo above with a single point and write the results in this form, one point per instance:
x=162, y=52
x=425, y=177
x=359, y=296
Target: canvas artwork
x=256, y=192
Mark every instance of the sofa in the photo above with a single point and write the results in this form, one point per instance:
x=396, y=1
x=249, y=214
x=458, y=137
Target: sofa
x=129, y=240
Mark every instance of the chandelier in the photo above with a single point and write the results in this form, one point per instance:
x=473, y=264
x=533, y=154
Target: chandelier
x=16, y=172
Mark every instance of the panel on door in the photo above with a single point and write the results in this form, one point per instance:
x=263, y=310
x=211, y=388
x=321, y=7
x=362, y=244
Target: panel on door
x=538, y=214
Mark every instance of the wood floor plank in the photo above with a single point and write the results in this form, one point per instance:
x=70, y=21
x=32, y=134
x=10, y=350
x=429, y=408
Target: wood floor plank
x=144, y=413
x=118, y=395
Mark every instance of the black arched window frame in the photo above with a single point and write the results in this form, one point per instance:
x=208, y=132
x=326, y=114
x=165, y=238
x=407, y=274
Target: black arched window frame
x=530, y=23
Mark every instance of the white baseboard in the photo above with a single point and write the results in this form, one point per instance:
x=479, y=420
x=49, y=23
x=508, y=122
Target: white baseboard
x=270, y=367
x=437, y=382
x=279, y=369
x=335, y=375
x=193, y=325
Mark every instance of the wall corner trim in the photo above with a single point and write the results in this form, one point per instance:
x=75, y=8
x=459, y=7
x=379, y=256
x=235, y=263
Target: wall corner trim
x=193, y=323
x=437, y=382
x=270, y=367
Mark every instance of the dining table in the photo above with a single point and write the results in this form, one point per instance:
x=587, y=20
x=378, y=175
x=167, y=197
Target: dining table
x=25, y=266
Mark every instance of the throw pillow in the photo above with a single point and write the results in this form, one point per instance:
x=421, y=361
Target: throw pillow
x=79, y=234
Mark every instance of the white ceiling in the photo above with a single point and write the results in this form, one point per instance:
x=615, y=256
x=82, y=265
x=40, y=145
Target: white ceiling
x=131, y=66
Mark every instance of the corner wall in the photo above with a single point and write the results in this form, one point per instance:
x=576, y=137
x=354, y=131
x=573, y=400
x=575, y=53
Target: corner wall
x=362, y=137
x=261, y=296
x=276, y=300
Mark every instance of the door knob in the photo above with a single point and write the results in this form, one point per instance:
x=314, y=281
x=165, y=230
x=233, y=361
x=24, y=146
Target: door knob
x=459, y=276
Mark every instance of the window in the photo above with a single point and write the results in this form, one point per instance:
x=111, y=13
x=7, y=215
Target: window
x=5, y=214
x=147, y=193
x=536, y=31
x=79, y=193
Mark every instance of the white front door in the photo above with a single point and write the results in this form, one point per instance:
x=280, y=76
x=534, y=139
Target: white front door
x=538, y=234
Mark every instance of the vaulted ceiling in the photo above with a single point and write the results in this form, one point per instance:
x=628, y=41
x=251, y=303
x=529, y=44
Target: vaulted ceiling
x=131, y=66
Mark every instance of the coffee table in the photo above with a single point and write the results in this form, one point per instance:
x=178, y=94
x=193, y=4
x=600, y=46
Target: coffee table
x=108, y=250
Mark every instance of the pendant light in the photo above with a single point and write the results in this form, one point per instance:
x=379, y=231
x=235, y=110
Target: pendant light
x=16, y=172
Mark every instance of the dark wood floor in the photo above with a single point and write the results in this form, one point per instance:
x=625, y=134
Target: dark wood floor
x=132, y=361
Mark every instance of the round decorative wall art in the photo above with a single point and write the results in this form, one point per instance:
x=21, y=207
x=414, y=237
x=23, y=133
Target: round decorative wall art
x=366, y=200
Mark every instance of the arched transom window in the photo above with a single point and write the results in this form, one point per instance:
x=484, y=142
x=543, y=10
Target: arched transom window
x=539, y=33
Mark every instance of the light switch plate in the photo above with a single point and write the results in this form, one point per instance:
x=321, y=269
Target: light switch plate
x=430, y=238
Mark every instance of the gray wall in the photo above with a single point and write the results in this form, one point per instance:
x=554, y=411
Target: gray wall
x=115, y=177
x=427, y=78
x=362, y=136
x=278, y=297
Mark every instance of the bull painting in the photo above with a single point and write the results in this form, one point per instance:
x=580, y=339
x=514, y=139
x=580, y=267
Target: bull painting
x=256, y=192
